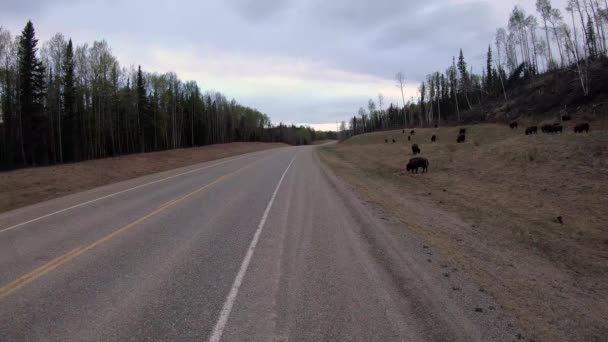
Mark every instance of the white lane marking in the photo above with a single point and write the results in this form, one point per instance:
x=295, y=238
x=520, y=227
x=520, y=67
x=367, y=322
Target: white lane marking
x=123, y=191
x=218, y=330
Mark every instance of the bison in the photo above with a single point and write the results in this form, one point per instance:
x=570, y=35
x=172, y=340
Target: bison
x=416, y=163
x=547, y=128
x=532, y=130
x=394, y=141
x=513, y=125
x=463, y=131
x=415, y=149
x=554, y=128
x=386, y=141
x=461, y=138
x=580, y=128
x=433, y=138
x=409, y=138
x=557, y=128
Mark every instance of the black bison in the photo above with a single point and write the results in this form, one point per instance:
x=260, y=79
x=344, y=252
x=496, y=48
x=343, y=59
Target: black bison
x=463, y=131
x=394, y=141
x=412, y=132
x=551, y=129
x=580, y=128
x=566, y=118
x=435, y=125
x=409, y=138
x=416, y=163
x=386, y=141
x=513, y=125
x=532, y=130
x=415, y=149
x=433, y=138
x=461, y=138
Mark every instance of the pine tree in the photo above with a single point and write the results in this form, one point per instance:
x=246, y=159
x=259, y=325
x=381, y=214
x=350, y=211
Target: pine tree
x=141, y=106
x=490, y=72
x=591, y=41
x=464, y=77
x=31, y=82
x=71, y=122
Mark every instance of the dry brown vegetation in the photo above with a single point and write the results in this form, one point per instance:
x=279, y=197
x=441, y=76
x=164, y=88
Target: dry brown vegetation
x=28, y=186
x=491, y=206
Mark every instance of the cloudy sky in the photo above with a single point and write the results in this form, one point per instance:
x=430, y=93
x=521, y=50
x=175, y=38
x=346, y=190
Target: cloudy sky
x=299, y=61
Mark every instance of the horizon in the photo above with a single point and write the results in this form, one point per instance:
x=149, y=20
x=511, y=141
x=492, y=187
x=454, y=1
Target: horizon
x=255, y=57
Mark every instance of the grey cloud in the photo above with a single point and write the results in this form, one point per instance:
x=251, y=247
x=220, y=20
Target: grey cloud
x=259, y=9
x=370, y=37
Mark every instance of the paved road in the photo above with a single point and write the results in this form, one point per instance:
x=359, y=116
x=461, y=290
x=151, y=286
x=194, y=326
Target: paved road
x=262, y=247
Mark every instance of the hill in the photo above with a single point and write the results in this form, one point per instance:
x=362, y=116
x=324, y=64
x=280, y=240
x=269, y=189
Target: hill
x=523, y=215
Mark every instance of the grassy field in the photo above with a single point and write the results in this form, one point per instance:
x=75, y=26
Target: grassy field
x=28, y=186
x=491, y=206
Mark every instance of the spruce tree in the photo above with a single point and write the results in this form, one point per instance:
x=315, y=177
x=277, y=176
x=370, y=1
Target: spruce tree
x=591, y=41
x=141, y=106
x=490, y=72
x=31, y=83
x=71, y=125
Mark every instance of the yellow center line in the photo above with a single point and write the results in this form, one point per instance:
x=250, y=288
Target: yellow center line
x=53, y=264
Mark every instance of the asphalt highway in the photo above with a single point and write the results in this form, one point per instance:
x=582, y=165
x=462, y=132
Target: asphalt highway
x=266, y=246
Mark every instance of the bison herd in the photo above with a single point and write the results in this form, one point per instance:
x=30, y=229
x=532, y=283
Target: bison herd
x=417, y=163
x=557, y=128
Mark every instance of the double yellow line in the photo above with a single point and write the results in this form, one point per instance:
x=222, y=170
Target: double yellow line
x=53, y=264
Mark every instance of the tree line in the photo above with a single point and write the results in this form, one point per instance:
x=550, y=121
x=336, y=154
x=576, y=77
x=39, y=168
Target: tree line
x=68, y=103
x=522, y=50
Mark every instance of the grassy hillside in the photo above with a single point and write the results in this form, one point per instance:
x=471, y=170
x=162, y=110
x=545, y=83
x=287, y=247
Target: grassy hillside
x=491, y=205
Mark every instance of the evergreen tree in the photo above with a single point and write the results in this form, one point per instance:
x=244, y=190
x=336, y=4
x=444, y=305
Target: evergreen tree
x=71, y=122
x=490, y=72
x=141, y=108
x=31, y=83
x=591, y=41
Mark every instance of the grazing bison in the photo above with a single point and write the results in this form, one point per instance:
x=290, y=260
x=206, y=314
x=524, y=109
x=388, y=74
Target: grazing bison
x=532, y=130
x=416, y=163
x=463, y=131
x=580, y=128
x=551, y=129
x=461, y=138
x=415, y=149
x=557, y=128
x=412, y=132
x=433, y=138
x=566, y=118
x=513, y=125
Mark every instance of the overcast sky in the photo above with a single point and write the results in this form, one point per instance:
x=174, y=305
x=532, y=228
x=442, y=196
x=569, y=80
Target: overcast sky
x=299, y=61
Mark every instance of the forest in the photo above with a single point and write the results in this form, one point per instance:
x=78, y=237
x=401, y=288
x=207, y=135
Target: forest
x=62, y=102
x=568, y=47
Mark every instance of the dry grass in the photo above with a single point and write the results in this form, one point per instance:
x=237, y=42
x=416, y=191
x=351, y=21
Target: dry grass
x=28, y=186
x=491, y=206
